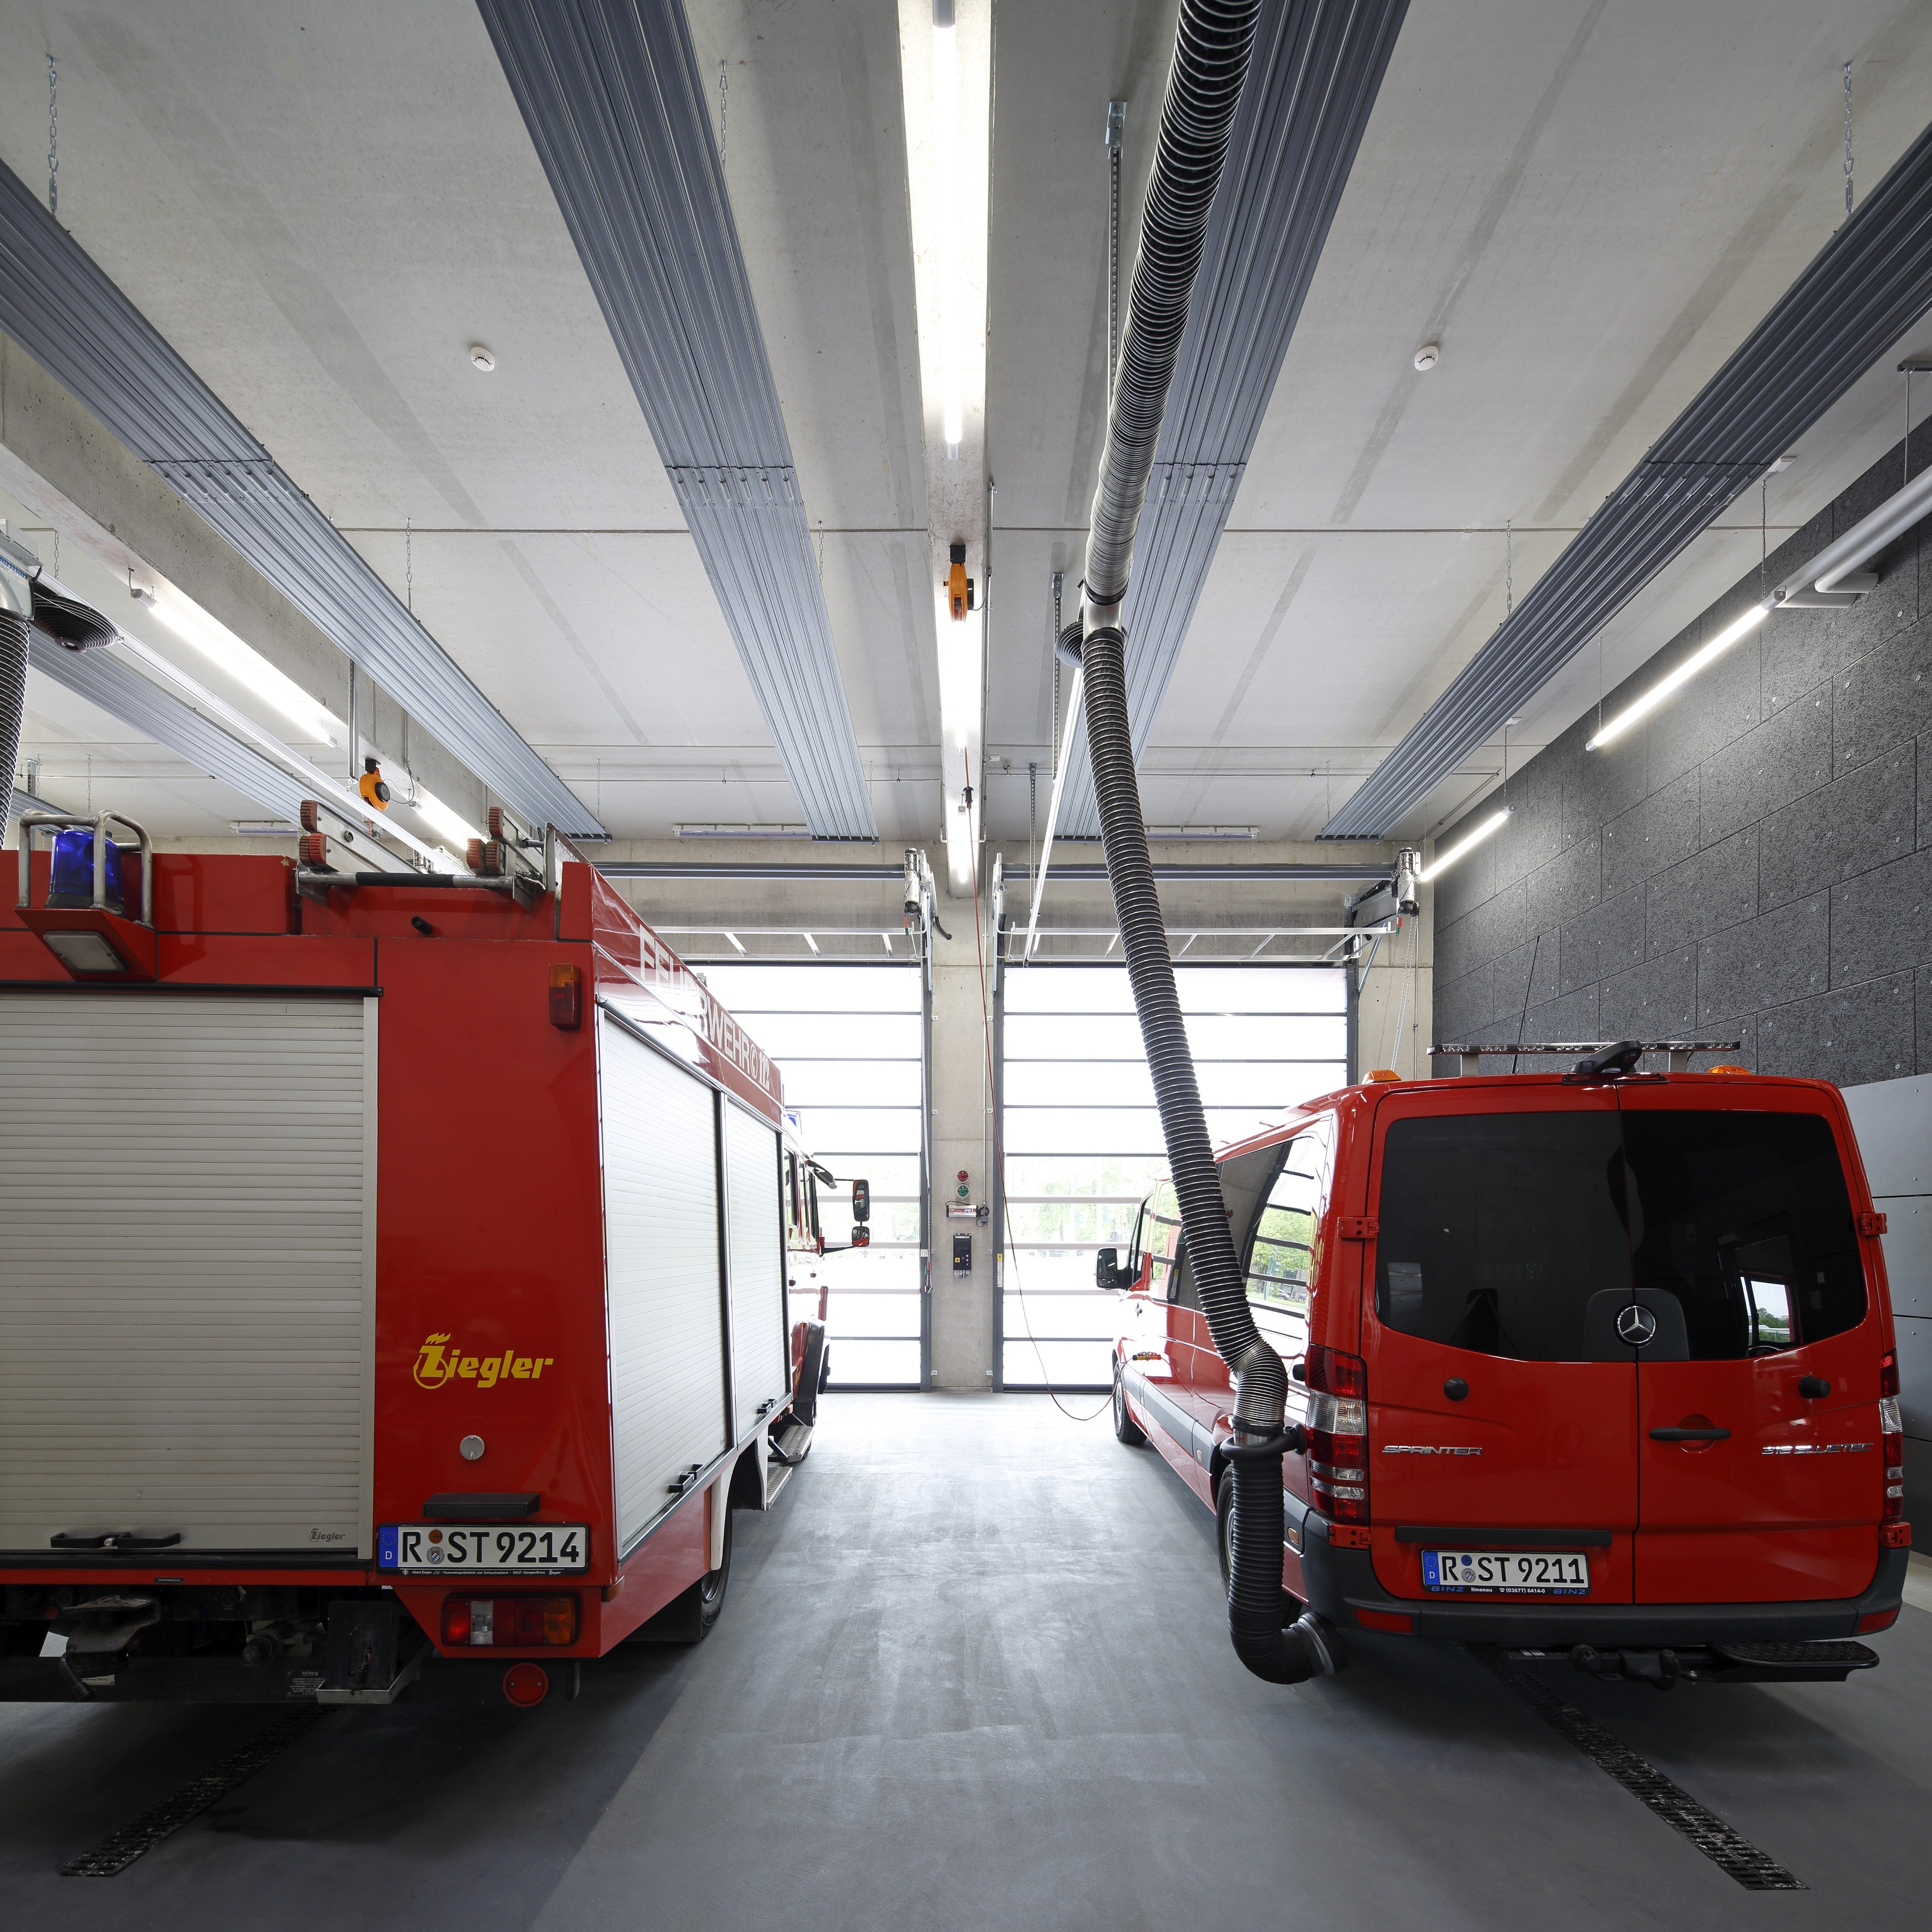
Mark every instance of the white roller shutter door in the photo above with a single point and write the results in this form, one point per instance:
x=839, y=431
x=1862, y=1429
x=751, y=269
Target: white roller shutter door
x=661, y=1263
x=759, y=1356
x=187, y=1269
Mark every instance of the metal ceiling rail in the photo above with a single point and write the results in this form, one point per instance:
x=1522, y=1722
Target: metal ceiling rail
x=611, y=94
x=58, y=305
x=777, y=870
x=1863, y=290
x=1317, y=68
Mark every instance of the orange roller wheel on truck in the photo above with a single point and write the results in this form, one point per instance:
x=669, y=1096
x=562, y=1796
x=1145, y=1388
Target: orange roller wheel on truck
x=1598, y=1368
x=392, y=1286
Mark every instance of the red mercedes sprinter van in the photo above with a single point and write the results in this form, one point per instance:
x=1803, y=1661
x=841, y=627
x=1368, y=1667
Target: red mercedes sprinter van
x=1599, y=1368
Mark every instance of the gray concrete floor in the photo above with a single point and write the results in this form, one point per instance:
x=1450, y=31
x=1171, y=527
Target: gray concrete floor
x=974, y=1673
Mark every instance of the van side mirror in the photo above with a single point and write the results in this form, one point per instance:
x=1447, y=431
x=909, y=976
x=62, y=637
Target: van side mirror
x=861, y=1200
x=1107, y=1269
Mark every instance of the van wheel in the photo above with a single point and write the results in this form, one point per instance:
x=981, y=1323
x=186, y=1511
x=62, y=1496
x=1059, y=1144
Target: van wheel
x=689, y=1618
x=1126, y=1429
x=1224, y=1544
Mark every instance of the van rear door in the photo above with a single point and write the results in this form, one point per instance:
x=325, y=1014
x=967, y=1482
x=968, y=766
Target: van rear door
x=1499, y=1398
x=1759, y=1389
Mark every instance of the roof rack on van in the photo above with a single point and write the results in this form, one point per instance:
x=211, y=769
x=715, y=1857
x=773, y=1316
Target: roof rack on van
x=1680, y=1051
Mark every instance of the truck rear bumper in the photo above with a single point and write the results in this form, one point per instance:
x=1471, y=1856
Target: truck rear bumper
x=189, y=1680
x=1342, y=1582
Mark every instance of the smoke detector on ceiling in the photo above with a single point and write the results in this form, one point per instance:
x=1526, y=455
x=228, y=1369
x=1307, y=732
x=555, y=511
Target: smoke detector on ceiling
x=1429, y=354
x=480, y=358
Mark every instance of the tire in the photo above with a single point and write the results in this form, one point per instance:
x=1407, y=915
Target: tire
x=691, y=1617
x=1224, y=1522
x=1126, y=1429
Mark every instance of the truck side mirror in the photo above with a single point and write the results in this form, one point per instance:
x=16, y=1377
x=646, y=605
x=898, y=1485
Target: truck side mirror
x=861, y=1200
x=1107, y=1269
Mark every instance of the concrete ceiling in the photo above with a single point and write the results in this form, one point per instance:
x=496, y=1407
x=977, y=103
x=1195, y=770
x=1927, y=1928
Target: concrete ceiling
x=1589, y=202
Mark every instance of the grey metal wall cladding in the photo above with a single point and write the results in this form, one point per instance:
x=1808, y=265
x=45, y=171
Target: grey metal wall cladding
x=760, y=1355
x=1317, y=68
x=611, y=92
x=122, y=692
x=57, y=303
x=663, y=1274
x=188, y=1281
x=1866, y=287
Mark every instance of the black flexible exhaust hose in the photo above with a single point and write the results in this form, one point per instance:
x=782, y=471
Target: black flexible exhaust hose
x=13, y=630
x=1210, y=60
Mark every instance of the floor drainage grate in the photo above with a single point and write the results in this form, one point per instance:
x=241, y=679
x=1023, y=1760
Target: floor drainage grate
x=1754, y=1870
x=115, y=1854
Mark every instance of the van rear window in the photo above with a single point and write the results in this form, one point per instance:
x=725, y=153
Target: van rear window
x=1745, y=1220
x=1497, y=1231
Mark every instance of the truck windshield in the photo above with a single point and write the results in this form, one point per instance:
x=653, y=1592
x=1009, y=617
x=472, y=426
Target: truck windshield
x=1497, y=1231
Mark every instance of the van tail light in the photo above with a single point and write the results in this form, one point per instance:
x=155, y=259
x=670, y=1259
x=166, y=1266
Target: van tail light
x=512, y=1623
x=1338, y=1434
x=1892, y=1440
x=1887, y=1373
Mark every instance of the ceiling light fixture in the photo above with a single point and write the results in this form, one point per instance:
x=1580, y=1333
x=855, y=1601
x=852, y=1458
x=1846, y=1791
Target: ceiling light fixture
x=480, y=358
x=452, y=824
x=946, y=76
x=1443, y=861
x=246, y=665
x=1740, y=627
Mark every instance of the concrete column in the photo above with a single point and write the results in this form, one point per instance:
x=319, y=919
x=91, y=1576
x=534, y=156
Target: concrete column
x=1398, y=998
x=962, y=1304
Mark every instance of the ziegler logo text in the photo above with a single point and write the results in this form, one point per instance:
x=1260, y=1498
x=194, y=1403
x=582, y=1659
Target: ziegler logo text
x=437, y=1363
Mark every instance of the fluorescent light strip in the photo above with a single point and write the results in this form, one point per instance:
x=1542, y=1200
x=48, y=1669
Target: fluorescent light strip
x=1682, y=675
x=452, y=824
x=246, y=666
x=1443, y=860
x=946, y=170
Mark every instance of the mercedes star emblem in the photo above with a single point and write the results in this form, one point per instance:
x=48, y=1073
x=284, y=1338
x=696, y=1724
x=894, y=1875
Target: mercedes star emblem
x=1637, y=1325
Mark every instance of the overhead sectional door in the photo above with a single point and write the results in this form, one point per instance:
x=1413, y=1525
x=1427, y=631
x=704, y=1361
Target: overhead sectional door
x=1082, y=1140
x=659, y=1129
x=759, y=1357
x=187, y=1271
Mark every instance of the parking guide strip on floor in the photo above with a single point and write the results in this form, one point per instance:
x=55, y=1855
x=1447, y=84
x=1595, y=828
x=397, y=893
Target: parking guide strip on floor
x=115, y=1854
x=1754, y=1870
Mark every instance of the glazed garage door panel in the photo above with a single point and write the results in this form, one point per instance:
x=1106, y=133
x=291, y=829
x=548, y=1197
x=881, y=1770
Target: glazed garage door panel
x=758, y=1341
x=660, y=1136
x=187, y=1269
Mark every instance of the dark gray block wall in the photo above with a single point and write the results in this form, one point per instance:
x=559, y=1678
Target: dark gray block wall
x=1752, y=862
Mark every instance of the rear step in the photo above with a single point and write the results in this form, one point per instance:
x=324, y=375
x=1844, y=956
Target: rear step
x=1829, y=1661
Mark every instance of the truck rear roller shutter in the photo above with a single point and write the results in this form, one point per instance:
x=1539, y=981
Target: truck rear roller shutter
x=759, y=1354
x=187, y=1271
x=663, y=1276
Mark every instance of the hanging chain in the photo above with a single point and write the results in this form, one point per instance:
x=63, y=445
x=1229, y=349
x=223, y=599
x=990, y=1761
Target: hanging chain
x=1053, y=645
x=53, y=138
x=1117, y=123
x=409, y=565
x=721, y=112
x=1509, y=567
x=821, y=550
x=1848, y=137
x=1908, y=422
x=1763, y=529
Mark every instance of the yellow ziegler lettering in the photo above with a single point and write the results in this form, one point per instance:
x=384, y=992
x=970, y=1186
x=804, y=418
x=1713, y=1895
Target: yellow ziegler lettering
x=437, y=1363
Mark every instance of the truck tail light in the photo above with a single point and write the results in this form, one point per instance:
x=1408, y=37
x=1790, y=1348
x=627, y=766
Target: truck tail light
x=566, y=996
x=513, y=1623
x=1892, y=1441
x=1338, y=1434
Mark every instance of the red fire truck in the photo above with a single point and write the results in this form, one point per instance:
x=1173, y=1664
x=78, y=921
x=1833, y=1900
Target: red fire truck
x=1599, y=1367
x=392, y=1280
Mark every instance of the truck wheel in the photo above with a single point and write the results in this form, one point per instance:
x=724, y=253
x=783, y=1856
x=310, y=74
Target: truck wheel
x=1126, y=1429
x=689, y=1619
